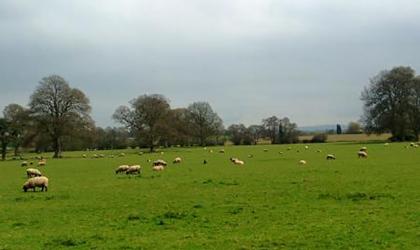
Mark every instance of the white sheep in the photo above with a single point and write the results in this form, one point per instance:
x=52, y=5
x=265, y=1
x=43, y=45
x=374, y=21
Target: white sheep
x=24, y=164
x=160, y=163
x=363, y=149
x=222, y=151
x=42, y=163
x=33, y=172
x=177, y=160
x=122, y=169
x=302, y=162
x=34, y=182
x=236, y=161
x=362, y=154
x=158, y=168
x=306, y=147
x=330, y=157
x=84, y=155
x=135, y=169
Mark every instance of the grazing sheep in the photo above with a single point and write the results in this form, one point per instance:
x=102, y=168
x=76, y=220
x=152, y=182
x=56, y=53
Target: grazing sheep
x=211, y=150
x=136, y=169
x=330, y=157
x=177, y=160
x=122, y=154
x=33, y=172
x=280, y=153
x=122, y=169
x=222, y=151
x=386, y=144
x=84, y=156
x=362, y=154
x=34, y=182
x=160, y=163
x=250, y=156
x=319, y=151
x=95, y=156
x=302, y=162
x=24, y=164
x=306, y=147
x=158, y=168
x=289, y=148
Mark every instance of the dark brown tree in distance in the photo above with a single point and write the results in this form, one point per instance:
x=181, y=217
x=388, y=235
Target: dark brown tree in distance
x=57, y=107
x=146, y=118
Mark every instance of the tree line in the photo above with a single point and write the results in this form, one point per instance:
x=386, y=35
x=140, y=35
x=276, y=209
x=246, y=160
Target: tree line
x=58, y=118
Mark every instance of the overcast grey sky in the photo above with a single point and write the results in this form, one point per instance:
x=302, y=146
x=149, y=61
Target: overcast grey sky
x=305, y=59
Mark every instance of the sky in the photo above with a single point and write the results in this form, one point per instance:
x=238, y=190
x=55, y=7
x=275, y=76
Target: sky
x=308, y=60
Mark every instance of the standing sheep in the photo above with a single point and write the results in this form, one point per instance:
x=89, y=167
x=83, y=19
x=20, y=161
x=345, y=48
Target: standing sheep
x=122, y=169
x=160, y=163
x=362, y=154
x=177, y=160
x=330, y=157
x=136, y=169
x=33, y=172
x=158, y=168
x=34, y=182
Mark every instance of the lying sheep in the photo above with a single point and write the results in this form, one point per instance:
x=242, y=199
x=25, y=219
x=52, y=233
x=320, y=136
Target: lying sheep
x=34, y=182
x=160, y=163
x=302, y=162
x=306, y=147
x=362, y=154
x=265, y=150
x=222, y=151
x=42, y=163
x=158, y=168
x=24, y=164
x=33, y=172
x=136, y=169
x=84, y=155
x=330, y=157
x=236, y=161
x=122, y=169
x=177, y=160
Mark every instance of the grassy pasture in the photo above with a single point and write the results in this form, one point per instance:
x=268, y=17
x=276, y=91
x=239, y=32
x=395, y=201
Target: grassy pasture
x=270, y=203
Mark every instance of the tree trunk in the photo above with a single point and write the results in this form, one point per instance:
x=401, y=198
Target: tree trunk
x=57, y=149
x=3, y=151
x=17, y=150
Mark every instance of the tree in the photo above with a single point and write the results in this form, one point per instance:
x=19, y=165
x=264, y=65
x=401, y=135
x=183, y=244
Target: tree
x=339, y=131
x=270, y=126
x=354, y=128
x=18, y=118
x=57, y=107
x=237, y=133
x=5, y=137
x=288, y=132
x=204, y=122
x=146, y=119
x=414, y=110
x=387, y=103
x=256, y=132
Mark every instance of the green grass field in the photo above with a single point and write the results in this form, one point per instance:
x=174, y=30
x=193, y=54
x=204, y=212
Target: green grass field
x=270, y=203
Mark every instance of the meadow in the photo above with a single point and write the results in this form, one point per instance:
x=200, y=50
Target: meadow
x=271, y=202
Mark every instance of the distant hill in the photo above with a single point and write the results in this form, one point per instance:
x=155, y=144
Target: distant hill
x=320, y=128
